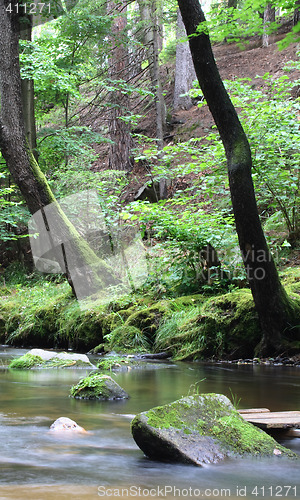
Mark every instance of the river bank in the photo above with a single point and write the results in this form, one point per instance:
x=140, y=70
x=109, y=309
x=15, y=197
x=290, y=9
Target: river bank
x=224, y=326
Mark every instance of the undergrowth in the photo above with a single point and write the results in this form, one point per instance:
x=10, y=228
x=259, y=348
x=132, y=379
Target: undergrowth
x=188, y=327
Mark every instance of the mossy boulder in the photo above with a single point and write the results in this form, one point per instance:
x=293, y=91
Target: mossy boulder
x=147, y=320
x=97, y=386
x=226, y=325
x=201, y=429
x=38, y=358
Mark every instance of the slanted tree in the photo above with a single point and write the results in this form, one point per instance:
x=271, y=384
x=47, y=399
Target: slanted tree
x=278, y=314
x=82, y=262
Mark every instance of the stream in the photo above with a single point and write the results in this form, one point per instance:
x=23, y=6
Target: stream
x=106, y=462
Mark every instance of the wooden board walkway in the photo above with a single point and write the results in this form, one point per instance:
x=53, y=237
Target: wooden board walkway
x=266, y=419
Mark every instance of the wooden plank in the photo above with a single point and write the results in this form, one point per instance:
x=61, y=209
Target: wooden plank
x=254, y=410
x=274, y=420
x=273, y=414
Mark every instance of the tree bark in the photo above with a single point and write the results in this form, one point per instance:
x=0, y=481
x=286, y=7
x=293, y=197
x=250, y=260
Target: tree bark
x=27, y=87
x=278, y=314
x=184, y=71
x=269, y=18
x=119, y=130
x=296, y=18
x=148, y=12
x=71, y=252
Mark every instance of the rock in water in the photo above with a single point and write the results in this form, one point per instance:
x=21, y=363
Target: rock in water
x=65, y=424
x=200, y=429
x=97, y=386
x=39, y=358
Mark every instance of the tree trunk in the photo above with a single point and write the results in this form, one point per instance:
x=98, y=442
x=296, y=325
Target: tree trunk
x=277, y=313
x=119, y=130
x=148, y=11
x=184, y=72
x=296, y=12
x=269, y=18
x=232, y=4
x=71, y=252
x=27, y=87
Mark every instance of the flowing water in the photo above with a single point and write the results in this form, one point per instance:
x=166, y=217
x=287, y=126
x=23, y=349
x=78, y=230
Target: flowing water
x=105, y=462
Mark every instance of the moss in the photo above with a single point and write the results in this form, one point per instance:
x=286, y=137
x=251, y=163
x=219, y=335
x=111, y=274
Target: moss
x=97, y=386
x=112, y=363
x=128, y=338
x=90, y=387
x=147, y=320
x=220, y=326
x=218, y=419
x=26, y=362
x=33, y=361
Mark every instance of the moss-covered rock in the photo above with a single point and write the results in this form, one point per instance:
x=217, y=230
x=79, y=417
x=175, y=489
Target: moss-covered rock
x=127, y=337
x=222, y=325
x=98, y=386
x=201, y=429
x=148, y=319
x=38, y=358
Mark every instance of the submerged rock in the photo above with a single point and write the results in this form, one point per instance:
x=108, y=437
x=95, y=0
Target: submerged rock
x=39, y=358
x=65, y=424
x=201, y=429
x=97, y=386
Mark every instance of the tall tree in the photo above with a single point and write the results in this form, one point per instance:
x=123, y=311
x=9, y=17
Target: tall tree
x=269, y=18
x=119, y=128
x=148, y=12
x=296, y=17
x=73, y=254
x=184, y=71
x=27, y=86
x=278, y=314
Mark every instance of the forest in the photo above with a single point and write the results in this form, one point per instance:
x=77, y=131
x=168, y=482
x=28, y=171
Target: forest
x=147, y=204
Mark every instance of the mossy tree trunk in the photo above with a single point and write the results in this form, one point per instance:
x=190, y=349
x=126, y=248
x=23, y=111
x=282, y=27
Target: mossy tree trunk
x=82, y=261
x=278, y=315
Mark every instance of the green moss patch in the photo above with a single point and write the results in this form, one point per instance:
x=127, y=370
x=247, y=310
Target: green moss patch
x=98, y=386
x=26, y=362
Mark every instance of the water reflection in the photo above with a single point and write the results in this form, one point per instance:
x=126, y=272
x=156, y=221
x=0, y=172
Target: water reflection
x=38, y=464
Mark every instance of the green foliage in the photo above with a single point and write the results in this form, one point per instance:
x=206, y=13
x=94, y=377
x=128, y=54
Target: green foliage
x=270, y=120
x=181, y=235
x=57, y=147
x=128, y=338
x=26, y=362
x=13, y=214
x=225, y=324
x=110, y=363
